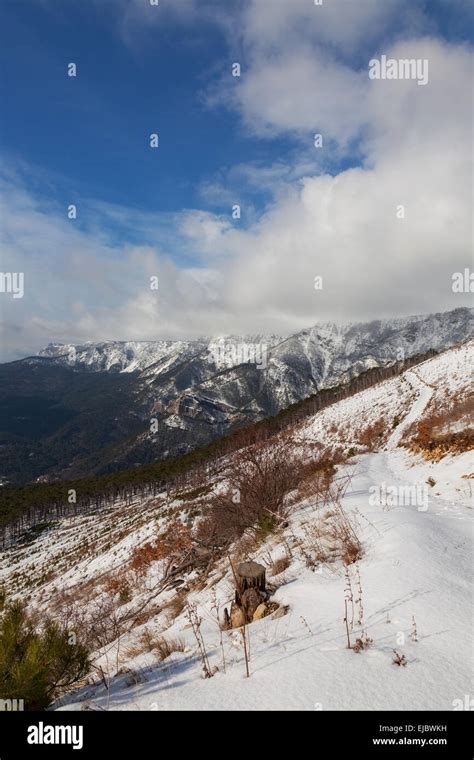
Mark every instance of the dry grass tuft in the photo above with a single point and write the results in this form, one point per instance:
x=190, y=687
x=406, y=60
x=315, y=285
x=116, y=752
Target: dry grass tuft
x=165, y=647
x=280, y=564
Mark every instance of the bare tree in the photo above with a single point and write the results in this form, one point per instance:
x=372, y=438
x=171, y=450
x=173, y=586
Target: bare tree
x=259, y=479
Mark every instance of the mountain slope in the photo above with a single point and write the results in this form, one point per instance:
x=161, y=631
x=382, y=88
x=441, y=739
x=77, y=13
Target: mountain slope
x=138, y=402
x=415, y=574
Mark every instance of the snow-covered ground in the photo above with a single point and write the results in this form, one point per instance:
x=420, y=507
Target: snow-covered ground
x=417, y=564
x=415, y=576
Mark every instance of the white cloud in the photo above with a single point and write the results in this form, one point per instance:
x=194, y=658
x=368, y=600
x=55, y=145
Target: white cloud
x=204, y=229
x=344, y=24
x=258, y=275
x=302, y=92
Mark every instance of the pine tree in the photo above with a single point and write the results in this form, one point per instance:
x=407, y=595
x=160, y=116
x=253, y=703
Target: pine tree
x=37, y=665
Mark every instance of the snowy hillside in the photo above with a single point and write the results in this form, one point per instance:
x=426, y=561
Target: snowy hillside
x=328, y=349
x=391, y=535
x=127, y=356
x=101, y=407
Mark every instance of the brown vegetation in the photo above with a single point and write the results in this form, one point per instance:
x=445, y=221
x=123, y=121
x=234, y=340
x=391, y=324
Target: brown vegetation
x=259, y=480
x=280, y=564
x=169, y=545
x=434, y=445
x=371, y=436
x=317, y=476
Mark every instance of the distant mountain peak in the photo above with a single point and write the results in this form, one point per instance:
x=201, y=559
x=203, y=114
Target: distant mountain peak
x=87, y=408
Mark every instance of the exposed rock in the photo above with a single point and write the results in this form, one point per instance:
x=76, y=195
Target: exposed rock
x=251, y=599
x=260, y=612
x=237, y=617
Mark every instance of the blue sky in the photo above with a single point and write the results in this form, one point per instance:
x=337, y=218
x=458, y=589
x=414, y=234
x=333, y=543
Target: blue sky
x=92, y=132
x=226, y=141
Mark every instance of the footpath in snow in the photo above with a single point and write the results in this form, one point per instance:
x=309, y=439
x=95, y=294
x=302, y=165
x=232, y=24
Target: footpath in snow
x=415, y=585
x=416, y=573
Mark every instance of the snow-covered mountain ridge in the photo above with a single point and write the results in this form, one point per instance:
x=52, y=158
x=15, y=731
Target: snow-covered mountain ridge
x=400, y=337
x=147, y=401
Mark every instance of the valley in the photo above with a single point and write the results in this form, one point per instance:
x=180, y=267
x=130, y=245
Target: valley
x=122, y=405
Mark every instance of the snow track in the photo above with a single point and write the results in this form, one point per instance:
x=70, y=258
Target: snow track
x=425, y=393
x=416, y=573
x=416, y=566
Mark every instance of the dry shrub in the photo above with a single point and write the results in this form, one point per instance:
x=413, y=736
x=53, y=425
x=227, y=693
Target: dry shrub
x=434, y=445
x=371, y=436
x=344, y=533
x=135, y=677
x=148, y=640
x=331, y=533
x=314, y=551
x=434, y=437
x=247, y=545
x=146, y=613
x=362, y=643
x=100, y=623
x=260, y=478
x=317, y=476
x=351, y=550
x=120, y=586
x=399, y=659
x=280, y=564
x=142, y=557
x=156, y=644
x=176, y=605
x=170, y=545
x=165, y=647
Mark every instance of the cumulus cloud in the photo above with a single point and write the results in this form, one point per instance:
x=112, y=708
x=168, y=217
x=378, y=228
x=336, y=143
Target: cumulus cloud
x=346, y=227
x=301, y=91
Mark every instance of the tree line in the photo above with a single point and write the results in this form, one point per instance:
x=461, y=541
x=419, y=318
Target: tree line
x=26, y=506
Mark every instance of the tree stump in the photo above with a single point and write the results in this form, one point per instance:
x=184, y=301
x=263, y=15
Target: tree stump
x=249, y=575
x=251, y=599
